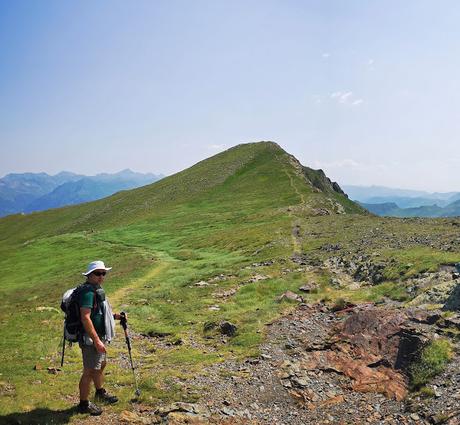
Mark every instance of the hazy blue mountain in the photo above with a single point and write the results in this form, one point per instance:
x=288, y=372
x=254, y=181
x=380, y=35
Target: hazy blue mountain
x=17, y=190
x=382, y=209
x=454, y=197
x=392, y=210
x=29, y=192
x=365, y=192
x=407, y=202
x=401, y=197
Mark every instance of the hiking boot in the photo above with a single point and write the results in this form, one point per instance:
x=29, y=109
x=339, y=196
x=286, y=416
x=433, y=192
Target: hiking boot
x=104, y=397
x=90, y=408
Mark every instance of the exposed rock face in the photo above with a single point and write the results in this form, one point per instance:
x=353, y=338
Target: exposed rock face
x=453, y=302
x=360, y=267
x=319, y=180
x=372, y=347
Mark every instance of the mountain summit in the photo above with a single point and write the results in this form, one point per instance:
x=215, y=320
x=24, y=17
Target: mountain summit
x=254, y=178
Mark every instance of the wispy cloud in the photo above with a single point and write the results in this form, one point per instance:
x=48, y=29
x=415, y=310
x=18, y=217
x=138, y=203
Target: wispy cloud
x=346, y=98
x=326, y=55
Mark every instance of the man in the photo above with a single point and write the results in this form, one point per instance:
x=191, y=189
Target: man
x=98, y=329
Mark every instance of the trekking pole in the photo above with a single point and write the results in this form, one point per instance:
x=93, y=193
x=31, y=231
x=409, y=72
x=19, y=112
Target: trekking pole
x=124, y=325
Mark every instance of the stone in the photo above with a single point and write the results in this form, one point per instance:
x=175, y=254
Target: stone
x=291, y=296
x=227, y=411
x=181, y=418
x=127, y=417
x=181, y=407
x=301, y=382
x=227, y=328
x=257, y=278
x=308, y=287
x=372, y=347
x=422, y=316
x=214, y=308
x=7, y=389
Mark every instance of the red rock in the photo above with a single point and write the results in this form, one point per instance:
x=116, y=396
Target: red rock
x=371, y=347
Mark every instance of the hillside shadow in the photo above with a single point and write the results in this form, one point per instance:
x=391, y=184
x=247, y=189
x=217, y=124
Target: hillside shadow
x=39, y=417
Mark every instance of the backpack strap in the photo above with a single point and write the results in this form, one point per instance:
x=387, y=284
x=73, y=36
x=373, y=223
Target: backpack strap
x=93, y=289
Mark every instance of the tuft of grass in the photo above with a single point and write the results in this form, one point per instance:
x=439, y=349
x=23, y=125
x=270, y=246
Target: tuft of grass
x=432, y=361
x=426, y=392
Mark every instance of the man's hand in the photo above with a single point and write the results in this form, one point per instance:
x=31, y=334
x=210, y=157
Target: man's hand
x=119, y=316
x=100, y=347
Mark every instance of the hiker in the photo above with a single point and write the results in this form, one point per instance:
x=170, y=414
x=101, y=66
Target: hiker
x=98, y=329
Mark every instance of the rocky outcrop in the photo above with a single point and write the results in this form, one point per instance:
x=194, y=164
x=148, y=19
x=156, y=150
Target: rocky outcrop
x=373, y=348
x=360, y=267
x=319, y=180
x=453, y=301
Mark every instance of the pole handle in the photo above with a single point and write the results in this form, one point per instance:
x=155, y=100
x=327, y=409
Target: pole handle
x=123, y=320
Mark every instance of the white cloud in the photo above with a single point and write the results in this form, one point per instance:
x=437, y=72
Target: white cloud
x=370, y=62
x=326, y=55
x=346, y=98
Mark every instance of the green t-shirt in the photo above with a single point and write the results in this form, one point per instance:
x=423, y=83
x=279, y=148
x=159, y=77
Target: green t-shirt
x=97, y=312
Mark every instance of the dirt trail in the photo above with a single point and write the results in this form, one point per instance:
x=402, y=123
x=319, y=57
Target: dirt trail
x=295, y=239
x=117, y=297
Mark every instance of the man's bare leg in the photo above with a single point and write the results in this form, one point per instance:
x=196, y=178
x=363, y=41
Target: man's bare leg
x=85, y=383
x=98, y=376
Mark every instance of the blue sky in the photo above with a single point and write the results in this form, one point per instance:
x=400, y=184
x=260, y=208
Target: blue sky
x=369, y=91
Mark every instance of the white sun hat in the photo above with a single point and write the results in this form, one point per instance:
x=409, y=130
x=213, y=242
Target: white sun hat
x=96, y=265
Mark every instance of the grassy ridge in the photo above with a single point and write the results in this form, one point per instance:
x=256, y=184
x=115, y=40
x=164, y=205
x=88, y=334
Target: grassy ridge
x=228, y=209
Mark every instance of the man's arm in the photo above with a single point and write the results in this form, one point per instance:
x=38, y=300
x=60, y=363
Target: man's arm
x=85, y=314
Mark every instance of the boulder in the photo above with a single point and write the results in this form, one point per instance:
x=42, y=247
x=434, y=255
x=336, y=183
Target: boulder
x=291, y=296
x=227, y=328
x=373, y=347
x=308, y=287
x=127, y=417
x=453, y=302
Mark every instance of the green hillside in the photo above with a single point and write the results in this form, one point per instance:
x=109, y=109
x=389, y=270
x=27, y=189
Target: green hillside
x=214, y=222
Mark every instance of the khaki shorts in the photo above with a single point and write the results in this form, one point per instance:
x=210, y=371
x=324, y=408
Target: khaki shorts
x=92, y=359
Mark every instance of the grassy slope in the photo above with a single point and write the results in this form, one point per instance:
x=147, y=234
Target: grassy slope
x=215, y=218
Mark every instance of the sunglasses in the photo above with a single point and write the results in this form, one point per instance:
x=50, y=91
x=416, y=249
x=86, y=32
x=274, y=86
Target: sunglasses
x=99, y=273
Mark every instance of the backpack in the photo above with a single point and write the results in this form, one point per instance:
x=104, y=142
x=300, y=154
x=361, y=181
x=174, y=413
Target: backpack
x=70, y=306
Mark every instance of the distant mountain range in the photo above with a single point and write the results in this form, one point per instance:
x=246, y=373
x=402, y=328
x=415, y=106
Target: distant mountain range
x=385, y=201
x=27, y=192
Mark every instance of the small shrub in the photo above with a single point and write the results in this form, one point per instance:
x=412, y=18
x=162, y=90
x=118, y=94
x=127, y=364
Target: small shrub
x=340, y=304
x=427, y=392
x=432, y=361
